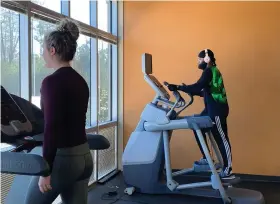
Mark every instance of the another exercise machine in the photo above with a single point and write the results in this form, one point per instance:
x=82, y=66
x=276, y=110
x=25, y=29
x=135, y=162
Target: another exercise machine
x=22, y=126
x=148, y=151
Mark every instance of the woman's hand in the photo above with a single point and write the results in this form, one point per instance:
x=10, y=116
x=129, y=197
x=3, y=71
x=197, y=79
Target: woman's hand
x=45, y=184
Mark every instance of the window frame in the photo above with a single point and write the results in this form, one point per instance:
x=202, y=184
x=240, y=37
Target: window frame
x=28, y=10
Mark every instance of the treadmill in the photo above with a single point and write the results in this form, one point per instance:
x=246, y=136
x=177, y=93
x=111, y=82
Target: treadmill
x=22, y=127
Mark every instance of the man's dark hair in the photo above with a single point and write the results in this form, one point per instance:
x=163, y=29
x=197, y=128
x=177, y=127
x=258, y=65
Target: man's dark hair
x=202, y=54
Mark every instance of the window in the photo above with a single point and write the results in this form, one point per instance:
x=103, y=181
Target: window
x=81, y=64
x=54, y=5
x=104, y=81
x=23, y=27
x=79, y=10
x=10, y=57
x=39, y=71
x=103, y=14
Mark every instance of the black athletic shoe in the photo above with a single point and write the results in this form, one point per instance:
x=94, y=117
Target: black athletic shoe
x=226, y=176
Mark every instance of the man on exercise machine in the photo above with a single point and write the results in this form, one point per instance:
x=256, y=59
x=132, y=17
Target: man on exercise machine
x=210, y=86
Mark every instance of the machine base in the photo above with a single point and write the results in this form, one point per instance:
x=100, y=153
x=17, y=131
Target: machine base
x=237, y=195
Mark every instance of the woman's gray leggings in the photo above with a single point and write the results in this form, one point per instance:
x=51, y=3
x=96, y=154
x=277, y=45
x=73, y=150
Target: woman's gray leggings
x=70, y=176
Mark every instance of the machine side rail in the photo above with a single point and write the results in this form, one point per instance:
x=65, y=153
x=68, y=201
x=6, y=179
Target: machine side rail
x=172, y=125
x=23, y=164
x=185, y=123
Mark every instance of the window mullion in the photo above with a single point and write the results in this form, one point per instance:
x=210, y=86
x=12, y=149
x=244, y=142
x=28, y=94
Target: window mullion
x=94, y=95
x=65, y=7
x=114, y=78
x=114, y=61
x=25, y=55
x=114, y=18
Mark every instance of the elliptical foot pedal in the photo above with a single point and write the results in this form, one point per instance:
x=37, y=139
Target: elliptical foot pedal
x=230, y=182
x=204, y=168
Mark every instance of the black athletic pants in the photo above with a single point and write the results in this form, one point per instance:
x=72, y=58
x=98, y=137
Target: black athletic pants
x=220, y=134
x=72, y=169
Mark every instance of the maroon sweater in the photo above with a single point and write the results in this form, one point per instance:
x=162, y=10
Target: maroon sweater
x=64, y=101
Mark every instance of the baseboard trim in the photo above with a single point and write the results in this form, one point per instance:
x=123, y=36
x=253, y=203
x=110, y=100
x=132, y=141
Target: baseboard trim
x=258, y=178
x=245, y=177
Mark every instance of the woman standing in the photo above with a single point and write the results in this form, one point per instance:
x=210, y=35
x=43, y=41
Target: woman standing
x=64, y=101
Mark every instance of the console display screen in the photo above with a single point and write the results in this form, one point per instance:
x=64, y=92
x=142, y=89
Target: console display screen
x=161, y=90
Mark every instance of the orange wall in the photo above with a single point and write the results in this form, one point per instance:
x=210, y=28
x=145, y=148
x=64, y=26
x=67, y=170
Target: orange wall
x=245, y=38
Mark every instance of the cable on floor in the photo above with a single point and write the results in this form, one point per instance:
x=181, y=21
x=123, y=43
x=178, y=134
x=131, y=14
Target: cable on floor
x=112, y=194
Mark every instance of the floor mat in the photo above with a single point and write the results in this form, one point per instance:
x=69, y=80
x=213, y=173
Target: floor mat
x=112, y=192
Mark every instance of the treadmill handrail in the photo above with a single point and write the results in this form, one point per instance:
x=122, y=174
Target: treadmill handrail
x=23, y=164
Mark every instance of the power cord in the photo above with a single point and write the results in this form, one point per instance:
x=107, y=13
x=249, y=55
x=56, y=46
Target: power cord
x=113, y=195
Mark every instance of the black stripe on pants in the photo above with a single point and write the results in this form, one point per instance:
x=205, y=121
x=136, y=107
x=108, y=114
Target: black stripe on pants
x=220, y=134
